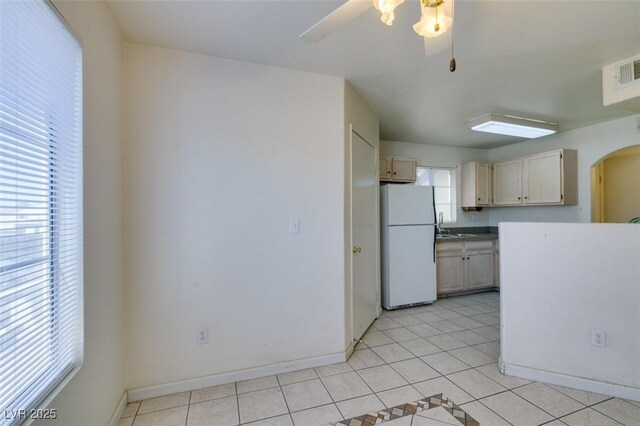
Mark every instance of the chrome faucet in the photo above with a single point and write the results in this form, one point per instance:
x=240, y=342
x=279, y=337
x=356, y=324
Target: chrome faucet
x=441, y=230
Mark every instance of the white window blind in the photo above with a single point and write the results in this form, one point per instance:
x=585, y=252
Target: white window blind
x=40, y=205
x=443, y=181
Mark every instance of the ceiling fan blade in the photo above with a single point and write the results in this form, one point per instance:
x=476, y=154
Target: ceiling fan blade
x=345, y=13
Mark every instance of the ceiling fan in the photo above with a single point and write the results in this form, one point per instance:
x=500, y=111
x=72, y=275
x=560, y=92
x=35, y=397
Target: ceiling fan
x=436, y=18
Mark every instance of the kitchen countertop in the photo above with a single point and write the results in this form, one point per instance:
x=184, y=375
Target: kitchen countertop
x=479, y=233
x=467, y=237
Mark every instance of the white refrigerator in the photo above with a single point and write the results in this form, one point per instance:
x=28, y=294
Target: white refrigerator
x=408, y=239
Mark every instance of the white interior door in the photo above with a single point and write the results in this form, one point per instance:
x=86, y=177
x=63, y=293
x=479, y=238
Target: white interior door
x=364, y=232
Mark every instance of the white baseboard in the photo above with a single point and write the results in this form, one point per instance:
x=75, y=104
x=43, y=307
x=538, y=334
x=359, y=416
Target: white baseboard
x=589, y=385
x=233, y=376
x=119, y=409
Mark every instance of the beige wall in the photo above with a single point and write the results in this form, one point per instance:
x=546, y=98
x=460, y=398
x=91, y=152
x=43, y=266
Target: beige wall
x=93, y=394
x=621, y=184
x=219, y=155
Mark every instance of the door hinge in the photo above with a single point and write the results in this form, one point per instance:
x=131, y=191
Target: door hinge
x=561, y=156
x=561, y=197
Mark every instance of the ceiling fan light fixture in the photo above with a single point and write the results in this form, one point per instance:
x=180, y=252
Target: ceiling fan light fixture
x=512, y=126
x=434, y=21
x=386, y=8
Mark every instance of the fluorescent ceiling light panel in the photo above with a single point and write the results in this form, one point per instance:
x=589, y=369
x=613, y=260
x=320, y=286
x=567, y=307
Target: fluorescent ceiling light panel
x=512, y=126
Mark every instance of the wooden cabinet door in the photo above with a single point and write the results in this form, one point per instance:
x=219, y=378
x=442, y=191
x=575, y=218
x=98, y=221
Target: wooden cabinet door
x=386, y=171
x=483, y=184
x=542, y=181
x=450, y=267
x=404, y=169
x=479, y=271
x=450, y=273
x=507, y=183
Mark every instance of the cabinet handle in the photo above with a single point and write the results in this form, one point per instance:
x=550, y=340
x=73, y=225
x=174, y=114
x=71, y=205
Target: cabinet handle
x=463, y=258
x=395, y=173
x=526, y=198
x=478, y=199
x=467, y=258
x=518, y=198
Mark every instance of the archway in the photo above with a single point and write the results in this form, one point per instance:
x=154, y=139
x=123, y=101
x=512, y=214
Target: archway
x=615, y=186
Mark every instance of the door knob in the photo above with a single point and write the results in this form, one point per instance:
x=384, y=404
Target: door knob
x=357, y=249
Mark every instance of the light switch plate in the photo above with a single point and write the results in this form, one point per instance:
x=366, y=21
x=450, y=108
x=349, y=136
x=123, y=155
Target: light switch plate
x=294, y=225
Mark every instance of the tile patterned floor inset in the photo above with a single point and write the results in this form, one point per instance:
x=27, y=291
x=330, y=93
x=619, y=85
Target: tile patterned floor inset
x=411, y=409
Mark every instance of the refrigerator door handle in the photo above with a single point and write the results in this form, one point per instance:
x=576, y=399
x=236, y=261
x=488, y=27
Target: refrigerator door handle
x=433, y=199
x=435, y=228
x=434, y=243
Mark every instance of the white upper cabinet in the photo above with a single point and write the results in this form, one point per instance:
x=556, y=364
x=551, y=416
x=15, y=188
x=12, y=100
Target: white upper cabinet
x=476, y=184
x=397, y=169
x=550, y=178
x=507, y=183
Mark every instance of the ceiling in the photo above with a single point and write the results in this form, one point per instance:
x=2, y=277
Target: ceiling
x=536, y=59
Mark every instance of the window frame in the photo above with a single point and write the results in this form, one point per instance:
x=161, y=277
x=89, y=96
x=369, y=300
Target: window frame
x=58, y=371
x=452, y=189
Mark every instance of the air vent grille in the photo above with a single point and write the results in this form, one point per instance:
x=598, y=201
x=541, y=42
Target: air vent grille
x=629, y=72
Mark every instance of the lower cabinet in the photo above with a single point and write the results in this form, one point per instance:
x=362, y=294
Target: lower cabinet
x=450, y=263
x=465, y=265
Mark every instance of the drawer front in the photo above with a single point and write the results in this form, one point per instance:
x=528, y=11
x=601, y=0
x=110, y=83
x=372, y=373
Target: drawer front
x=482, y=245
x=449, y=247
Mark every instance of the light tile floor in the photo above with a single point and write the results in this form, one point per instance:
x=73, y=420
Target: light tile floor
x=450, y=348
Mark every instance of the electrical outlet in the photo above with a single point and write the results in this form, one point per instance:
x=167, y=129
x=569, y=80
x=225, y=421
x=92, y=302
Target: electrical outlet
x=202, y=336
x=598, y=338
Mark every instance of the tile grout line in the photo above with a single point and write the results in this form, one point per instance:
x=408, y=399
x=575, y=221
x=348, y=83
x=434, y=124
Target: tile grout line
x=158, y=410
x=267, y=418
x=286, y=403
x=329, y=393
x=186, y=419
x=235, y=386
x=598, y=411
x=136, y=413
